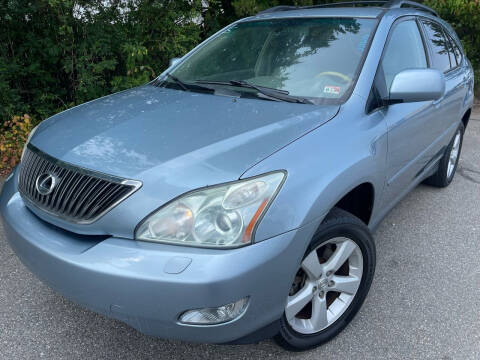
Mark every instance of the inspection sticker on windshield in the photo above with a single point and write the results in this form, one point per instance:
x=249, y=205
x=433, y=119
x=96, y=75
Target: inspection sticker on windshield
x=334, y=90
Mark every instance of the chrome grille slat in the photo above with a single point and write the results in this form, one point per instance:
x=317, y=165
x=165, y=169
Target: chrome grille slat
x=64, y=188
x=26, y=161
x=85, y=196
x=66, y=200
x=29, y=164
x=94, y=198
x=79, y=196
x=51, y=199
x=39, y=171
x=36, y=165
x=29, y=175
x=102, y=200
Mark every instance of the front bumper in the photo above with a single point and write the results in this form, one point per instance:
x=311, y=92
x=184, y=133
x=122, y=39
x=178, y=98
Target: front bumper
x=149, y=285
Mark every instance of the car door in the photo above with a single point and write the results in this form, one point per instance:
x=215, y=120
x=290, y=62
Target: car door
x=412, y=127
x=446, y=57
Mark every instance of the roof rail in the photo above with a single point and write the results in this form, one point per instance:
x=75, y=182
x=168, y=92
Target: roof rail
x=349, y=3
x=278, y=8
x=396, y=4
x=387, y=4
x=337, y=4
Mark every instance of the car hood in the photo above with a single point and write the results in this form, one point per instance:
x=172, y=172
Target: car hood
x=170, y=140
x=148, y=129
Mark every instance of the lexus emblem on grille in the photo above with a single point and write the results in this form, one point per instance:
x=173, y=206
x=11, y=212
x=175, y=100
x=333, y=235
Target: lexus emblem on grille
x=46, y=183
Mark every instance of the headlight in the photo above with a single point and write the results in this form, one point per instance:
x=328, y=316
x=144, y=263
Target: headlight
x=28, y=140
x=219, y=216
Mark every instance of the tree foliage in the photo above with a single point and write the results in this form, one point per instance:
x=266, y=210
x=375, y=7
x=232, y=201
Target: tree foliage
x=464, y=16
x=55, y=54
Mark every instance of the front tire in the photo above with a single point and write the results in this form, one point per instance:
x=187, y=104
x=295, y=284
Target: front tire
x=331, y=284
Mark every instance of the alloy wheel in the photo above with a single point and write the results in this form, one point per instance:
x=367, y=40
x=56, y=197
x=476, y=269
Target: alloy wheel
x=324, y=286
x=452, y=162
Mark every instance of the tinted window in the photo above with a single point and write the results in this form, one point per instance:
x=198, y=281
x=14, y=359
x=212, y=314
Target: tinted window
x=456, y=50
x=451, y=52
x=439, y=45
x=404, y=51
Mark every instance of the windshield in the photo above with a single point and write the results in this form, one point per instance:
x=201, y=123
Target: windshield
x=308, y=57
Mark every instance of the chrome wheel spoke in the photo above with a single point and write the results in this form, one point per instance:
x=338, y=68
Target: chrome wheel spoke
x=319, y=319
x=341, y=254
x=345, y=284
x=452, y=161
x=298, y=301
x=457, y=141
x=323, y=276
x=311, y=265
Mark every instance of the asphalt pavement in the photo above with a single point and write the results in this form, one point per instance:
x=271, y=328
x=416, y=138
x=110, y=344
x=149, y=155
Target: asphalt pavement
x=424, y=302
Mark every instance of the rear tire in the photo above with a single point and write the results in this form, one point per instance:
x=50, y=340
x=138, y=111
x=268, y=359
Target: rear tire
x=337, y=270
x=449, y=162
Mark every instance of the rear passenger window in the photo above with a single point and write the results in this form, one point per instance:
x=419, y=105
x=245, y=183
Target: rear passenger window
x=404, y=51
x=456, y=50
x=439, y=45
x=451, y=52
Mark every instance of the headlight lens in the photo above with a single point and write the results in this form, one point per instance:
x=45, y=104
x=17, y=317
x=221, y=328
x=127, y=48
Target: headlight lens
x=28, y=140
x=220, y=216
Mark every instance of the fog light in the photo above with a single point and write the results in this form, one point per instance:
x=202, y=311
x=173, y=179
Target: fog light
x=211, y=316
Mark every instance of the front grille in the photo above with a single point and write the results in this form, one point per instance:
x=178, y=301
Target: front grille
x=71, y=193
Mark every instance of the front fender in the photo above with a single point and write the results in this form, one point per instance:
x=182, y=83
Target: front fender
x=323, y=166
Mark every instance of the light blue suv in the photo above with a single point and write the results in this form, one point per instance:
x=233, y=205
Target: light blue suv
x=234, y=197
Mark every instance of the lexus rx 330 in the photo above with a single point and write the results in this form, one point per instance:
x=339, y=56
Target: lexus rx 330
x=234, y=197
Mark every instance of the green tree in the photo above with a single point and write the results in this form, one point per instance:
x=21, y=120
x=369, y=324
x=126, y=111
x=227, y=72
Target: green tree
x=464, y=16
x=55, y=54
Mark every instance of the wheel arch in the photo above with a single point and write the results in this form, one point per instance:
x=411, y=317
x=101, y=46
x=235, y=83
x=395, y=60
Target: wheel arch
x=359, y=201
x=466, y=117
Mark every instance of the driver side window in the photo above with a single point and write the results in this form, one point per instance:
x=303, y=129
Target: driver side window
x=405, y=50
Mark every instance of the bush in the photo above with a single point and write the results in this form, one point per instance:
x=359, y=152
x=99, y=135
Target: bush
x=55, y=54
x=464, y=16
x=13, y=134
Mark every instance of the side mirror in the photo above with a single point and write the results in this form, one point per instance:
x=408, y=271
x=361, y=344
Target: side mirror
x=416, y=85
x=174, y=61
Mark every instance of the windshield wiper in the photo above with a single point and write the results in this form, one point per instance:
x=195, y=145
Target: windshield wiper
x=240, y=84
x=177, y=81
x=278, y=94
x=185, y=86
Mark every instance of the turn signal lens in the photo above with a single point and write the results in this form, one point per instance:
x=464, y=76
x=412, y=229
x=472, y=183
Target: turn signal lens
x=176, y=225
